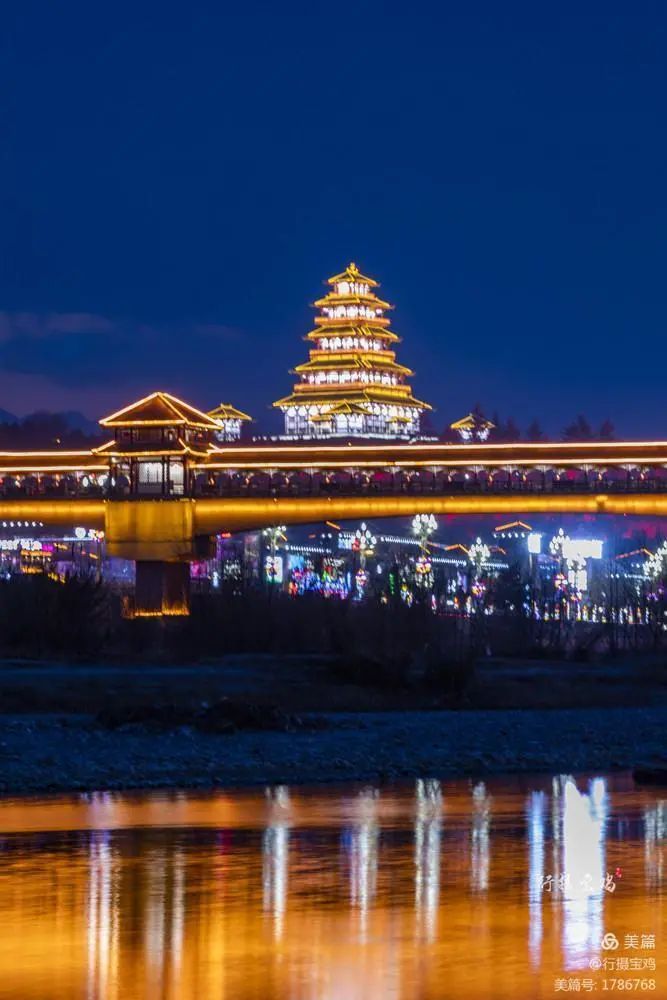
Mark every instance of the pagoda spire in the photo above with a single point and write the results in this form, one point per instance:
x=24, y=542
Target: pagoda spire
x=352, y=385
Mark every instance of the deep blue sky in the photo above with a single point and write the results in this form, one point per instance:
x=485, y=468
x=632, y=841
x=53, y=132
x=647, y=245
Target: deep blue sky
x=176, y=185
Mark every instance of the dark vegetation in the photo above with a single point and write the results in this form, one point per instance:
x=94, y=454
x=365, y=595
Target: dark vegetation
x=256, y=660
x=81, y=620
x=507, y=431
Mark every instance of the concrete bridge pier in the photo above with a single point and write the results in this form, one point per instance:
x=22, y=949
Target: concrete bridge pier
x=161, y=588
x=158, y=535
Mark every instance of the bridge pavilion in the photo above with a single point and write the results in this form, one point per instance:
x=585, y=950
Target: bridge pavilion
x=155, y=441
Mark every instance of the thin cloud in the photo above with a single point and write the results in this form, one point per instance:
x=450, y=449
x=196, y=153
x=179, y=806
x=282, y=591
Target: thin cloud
x=36, y=326
x=83, y=350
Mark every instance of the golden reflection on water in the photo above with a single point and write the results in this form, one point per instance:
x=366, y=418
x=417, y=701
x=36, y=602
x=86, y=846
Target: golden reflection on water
x=426, y=891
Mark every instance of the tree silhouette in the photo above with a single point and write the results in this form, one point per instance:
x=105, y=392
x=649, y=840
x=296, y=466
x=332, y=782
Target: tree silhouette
x=607, y=431
x=427, y=425
x=510, y=431
x=534, y=432
x=578, y=430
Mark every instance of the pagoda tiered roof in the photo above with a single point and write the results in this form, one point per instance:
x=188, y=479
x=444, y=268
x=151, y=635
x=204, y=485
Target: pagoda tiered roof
x=342, y=327
x=350, y=359
x=352, y=273
x=351, y=287
x=398, y=395
x=352, y=299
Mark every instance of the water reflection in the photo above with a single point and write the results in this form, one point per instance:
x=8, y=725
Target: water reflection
x=464, y=889
x=428, y=825
x=362, y=845
x=583, y=826
x=536, y=838
x=275, y=852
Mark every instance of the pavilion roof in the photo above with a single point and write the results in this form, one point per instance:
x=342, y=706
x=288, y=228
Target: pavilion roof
x=225, y=411
x=472, y=421
x=160, y=409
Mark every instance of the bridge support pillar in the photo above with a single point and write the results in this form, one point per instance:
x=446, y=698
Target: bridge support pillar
x=162, y=588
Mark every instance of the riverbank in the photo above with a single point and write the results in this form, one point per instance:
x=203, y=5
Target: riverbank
x=73, y=753
x=249, y=720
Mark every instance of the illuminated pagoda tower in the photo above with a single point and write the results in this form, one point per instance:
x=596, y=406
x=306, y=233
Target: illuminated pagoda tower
x=352, y=385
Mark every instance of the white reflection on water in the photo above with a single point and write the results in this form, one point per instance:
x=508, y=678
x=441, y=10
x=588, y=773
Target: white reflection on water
x=428, y=826
x=102, y=920
x=535, y=816
x=655, y=835
x=364, y=838
x=178, y=915
x=275, y=856
x=584, y=817
x=481, y=825
x=154, y=935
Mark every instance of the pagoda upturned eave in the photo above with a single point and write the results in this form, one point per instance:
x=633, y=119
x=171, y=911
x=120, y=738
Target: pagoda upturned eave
x=372, y=330
x=352, y=273
x=350, y=360
x=352, y=299
x=307, y=394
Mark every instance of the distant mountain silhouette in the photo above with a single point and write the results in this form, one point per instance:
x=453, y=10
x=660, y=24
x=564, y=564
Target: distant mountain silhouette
x=42, y=429
x=73, y=419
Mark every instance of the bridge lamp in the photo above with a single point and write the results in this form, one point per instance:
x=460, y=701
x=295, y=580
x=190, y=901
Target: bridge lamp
x=364, y=543
x=558, y=544
x=655, y=568
x=479, y=553
x=273, y=565
x=423, y=526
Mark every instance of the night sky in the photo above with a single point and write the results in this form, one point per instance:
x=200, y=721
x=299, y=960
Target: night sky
x=176, y=185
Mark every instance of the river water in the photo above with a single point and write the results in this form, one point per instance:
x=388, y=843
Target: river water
x=503, y=888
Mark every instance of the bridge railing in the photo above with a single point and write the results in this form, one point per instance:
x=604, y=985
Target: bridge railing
x=263, y=484
x=238, y=487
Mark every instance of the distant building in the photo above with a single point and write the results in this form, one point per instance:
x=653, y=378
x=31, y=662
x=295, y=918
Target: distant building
x=352, y=385
x=513, y=531
x=472, y=428
x=231, y=421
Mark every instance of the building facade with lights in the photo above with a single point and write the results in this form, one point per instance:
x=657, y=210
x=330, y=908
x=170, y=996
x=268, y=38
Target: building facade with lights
x=473, y=428
x=231, y=422
x=352, y=384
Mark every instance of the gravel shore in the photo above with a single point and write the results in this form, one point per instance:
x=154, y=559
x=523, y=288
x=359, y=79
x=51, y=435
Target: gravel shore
x=55, y=754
